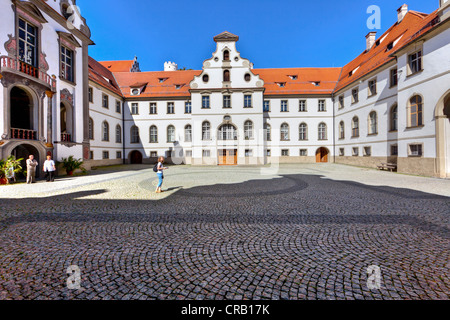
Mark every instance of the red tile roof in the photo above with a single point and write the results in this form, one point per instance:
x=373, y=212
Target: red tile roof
x=368, y=61
x=118, y=66
x=102, y=76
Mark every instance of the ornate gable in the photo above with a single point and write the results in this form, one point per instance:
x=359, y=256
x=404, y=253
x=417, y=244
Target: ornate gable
x=226, y=36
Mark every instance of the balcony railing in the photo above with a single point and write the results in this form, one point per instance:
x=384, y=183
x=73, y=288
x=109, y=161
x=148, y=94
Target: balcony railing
x=15, y=64
x=23, y=134
x=66, y=137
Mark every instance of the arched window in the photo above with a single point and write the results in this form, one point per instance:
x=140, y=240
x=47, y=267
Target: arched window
x=134, y=134
x=227, y=132
x=341, y=130
x=188, y=133
x=105, y=131
x=284, y=132
x=355, y=127
x=303, y=131
x=153, y=134
x=394, y=118
x=206, y=131
x=226, y=55
x=226, y=76
x=170, y=133
x=416, y=111
x=322, y=131
x=268, y=129
x=118, y=134
x=373, y=123
x=91, y=129
x=248, y=130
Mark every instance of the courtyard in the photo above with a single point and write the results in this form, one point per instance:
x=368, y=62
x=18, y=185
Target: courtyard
x=293, y=232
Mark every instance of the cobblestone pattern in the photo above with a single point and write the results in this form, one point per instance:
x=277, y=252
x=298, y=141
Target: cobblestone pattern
x=296, y=237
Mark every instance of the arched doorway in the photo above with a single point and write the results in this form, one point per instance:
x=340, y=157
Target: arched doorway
x=22, y=117
x=442, y=115
x=135, y=157
x=24, y=151
x=322, y=155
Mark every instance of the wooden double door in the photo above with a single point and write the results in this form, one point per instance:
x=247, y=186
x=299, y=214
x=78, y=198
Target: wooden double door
x=322, y=155
x=228, y=157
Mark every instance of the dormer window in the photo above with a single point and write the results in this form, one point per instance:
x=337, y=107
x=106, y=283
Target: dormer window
x=161, y=80
x=178, y=86
x=135, y=92
x=293, y=77
x=226, y=55
x=316, y=83
x=281, y=84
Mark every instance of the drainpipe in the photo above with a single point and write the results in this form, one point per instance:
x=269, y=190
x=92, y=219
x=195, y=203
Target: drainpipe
x=123, y=132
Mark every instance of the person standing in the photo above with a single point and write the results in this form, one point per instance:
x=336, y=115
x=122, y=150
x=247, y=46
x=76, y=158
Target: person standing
x=160, y=173
x=49, y=169
x=31, y=169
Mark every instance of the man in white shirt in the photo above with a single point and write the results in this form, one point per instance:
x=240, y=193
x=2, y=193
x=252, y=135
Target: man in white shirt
x=31, y=169
x=49, y=169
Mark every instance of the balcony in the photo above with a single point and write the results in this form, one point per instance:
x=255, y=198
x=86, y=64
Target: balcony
x=8, y=63
x=23, y=134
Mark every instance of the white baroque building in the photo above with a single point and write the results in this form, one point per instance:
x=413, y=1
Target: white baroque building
x=390, y=104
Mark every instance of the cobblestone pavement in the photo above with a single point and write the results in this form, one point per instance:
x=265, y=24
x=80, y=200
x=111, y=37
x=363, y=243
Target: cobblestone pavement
x=304, y=232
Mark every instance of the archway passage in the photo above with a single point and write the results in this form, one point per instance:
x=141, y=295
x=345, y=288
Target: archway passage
x=24, y=151
x=322, y=155
x=136, y=157
x=21, y=109
x=447, y=133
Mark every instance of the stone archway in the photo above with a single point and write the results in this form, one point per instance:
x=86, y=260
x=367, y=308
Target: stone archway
x=23, y=151
x=135, y=157
x=442, y=115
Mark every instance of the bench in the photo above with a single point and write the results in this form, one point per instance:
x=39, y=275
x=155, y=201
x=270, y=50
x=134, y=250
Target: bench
x=387, y=166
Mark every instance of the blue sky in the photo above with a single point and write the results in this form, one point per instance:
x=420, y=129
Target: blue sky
x=273, y=33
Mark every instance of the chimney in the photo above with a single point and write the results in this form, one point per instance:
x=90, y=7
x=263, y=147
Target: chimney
x=370, y=40
x=401, y=12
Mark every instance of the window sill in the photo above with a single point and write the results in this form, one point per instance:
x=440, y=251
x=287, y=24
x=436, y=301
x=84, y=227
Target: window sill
x=67, y=81
x=355, y=137
x=372, y=134
x=393, y=131
x=413, y=74
x=415, y=127
x=371, y=95
x=412, y=156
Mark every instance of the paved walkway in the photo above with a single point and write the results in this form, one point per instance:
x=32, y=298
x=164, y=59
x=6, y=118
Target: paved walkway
x=301, y=232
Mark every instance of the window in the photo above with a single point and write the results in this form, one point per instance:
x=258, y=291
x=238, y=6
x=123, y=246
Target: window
x=170, y=134
x=355, y=127
x=206, y=153
x=281, y=84
x=227, y=102
x=188, y=153
x=247, y=101
x=105, y=155
x=284, y=106
x=67, y=64
x=247, y=77
x=415, y=62
x=415, y=150
x=105, y=131
x=415, y=111
x=393, y=77
x=134, y=109
x=153, y=154
x=284, y=132
x=118, y=106
x=367, y=151
x=322, y=131
x=105, y=101
x=227, y=132
x=170, y=108
x=355, y=95
x=205, y=78
x=372, y=87
x=248, y=153
x=135, y=135
x=268, y=129
x=205, y=102
x=341, y=102
x=27, y=43
x=153, y=134
x=91, y=155
x=188, y=133
x=206, y=131
x=341, y=152
x=268, y=153
x=394, y=118
x=91, y=95
x=118, y=154
x=285, y=153
x=188, y=107
x=302, y=106
x=226, y=55
x=266, y=106
x=226, y=76
x=373, y=123
x=355, y=152
x=248, y=130
x=153, y=108
x=394, y=150
x=303, y=152
x=303, y=132
x=91, y=129
x=322, y=106
x=341, y=130
x=118, y=134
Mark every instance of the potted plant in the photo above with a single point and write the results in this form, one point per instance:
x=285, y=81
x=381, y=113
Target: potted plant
x=9, y=168
x=71, y=164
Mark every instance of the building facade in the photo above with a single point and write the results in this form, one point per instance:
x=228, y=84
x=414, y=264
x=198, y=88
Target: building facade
x=388, y=105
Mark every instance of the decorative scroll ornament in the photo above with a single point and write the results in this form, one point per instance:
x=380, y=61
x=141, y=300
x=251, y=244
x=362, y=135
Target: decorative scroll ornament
x=11, y=46
x=67, y=96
